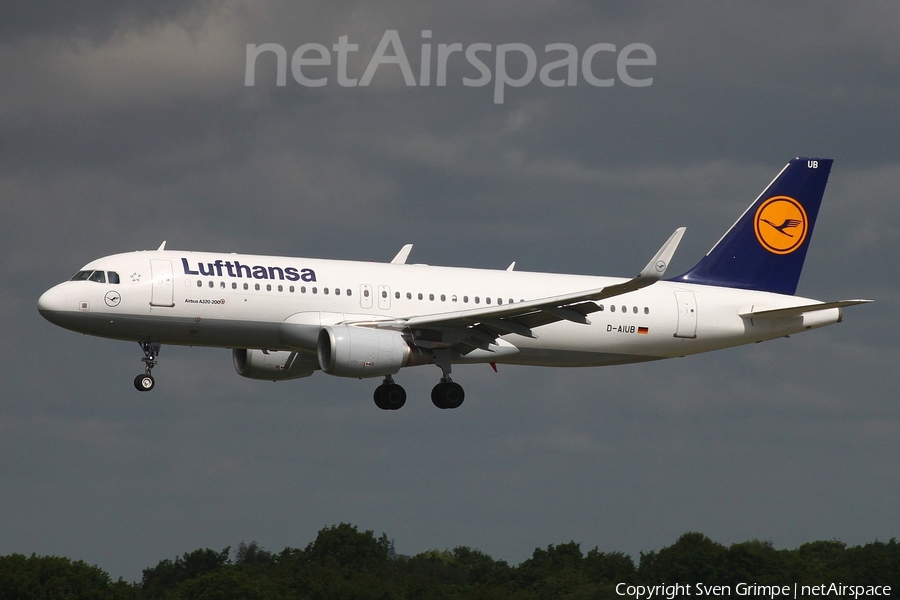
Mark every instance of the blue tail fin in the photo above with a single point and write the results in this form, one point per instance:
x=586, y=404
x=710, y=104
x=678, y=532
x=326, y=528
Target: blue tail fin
x=766, y=248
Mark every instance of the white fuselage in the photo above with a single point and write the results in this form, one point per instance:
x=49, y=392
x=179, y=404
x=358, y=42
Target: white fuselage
x=245, y=301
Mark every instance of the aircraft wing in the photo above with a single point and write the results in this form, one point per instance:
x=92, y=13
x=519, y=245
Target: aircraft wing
x=478, y=327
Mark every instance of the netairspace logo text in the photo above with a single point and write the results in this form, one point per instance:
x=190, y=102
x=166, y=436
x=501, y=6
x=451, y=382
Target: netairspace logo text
x=561, y=64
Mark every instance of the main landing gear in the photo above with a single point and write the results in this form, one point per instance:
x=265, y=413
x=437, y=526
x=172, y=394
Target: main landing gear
x=446, y=394
x=389, y=395
x=145, y=382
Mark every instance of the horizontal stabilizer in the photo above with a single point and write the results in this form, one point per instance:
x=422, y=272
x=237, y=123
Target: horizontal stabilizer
x=795, y=311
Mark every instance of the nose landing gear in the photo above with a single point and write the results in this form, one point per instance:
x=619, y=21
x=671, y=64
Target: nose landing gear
x=145, y=382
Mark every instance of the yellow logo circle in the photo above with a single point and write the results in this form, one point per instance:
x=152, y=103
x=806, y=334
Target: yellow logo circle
x=780, y=224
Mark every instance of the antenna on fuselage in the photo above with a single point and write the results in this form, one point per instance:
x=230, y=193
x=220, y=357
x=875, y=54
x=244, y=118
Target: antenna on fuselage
x=161, y=247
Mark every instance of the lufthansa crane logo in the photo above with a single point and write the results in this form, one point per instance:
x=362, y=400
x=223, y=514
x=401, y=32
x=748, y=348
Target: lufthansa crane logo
x=781, y=225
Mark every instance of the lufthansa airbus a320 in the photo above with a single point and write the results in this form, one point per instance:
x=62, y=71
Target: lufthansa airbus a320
x=286, y=318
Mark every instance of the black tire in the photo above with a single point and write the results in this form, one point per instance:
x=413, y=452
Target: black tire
x=379, y=397
x=393, y=396
x=437, y=395
x=144, y=382
x=447, y=395
x=454, y=395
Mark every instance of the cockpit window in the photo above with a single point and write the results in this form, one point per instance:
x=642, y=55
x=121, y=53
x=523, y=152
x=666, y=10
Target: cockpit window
x=96, y=276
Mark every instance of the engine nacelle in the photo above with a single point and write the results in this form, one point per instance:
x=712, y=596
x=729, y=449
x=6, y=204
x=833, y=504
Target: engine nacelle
x=347, y=351
x=274, y=365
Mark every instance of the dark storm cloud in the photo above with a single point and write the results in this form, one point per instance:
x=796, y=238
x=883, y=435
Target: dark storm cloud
x=97, y=20
x=123, y=125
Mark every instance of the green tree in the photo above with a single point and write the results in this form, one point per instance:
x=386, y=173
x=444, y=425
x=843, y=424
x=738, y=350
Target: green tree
x=756, y=561
x=166, y=576
x=692, y=558
x=56, y=578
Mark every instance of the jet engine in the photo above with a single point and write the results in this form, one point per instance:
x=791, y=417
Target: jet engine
x=348, y=351
x=274, y=365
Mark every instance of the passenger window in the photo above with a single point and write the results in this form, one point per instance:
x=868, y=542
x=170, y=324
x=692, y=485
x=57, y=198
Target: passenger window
x=453, y=298
x=600, y=308
x=316, y=291
x=113, y=277
x=431, y=297
x=612, y=308
x=646, y=310
x=349, y=293
x=365, y=293
x=268, y=287
x=222, y=285
x=384, y=293
x=465, y=299
x=409, y=295
x=420, y=296
x=212, y=284
x=634, y=310
x=302, y=289
x=487, y=300
x=397, y=295
x=199, y=283
x=234, y=285
x=291, y=289
x=246, y=286
x=325, y=291
x=337, y=291
x=98, y=276
x=477, y=300
x=256, y=287
x=443, y=297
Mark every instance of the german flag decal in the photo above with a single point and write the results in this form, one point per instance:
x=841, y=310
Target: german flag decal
x=643, y=330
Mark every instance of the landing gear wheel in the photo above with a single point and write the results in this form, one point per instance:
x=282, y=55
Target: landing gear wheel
x=390, y=396
x=447, y=395
x=144, y=383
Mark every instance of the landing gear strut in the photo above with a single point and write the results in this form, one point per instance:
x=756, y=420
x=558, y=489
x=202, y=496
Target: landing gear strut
x=389, y=395
x=447, y=394
x=145, y=381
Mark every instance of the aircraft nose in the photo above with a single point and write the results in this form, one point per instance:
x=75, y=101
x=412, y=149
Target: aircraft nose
x=51, y=302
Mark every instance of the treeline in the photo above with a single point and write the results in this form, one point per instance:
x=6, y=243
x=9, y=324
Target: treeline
x=344, y=562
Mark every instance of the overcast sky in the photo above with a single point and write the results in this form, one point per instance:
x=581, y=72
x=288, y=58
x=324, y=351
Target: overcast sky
x=122, y=126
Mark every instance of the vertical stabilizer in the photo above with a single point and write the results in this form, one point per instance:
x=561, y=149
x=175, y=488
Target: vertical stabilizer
x=765, y=248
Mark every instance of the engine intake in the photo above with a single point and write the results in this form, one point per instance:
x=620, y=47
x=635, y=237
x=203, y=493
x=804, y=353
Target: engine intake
x=274, y=365
x=347, y=351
